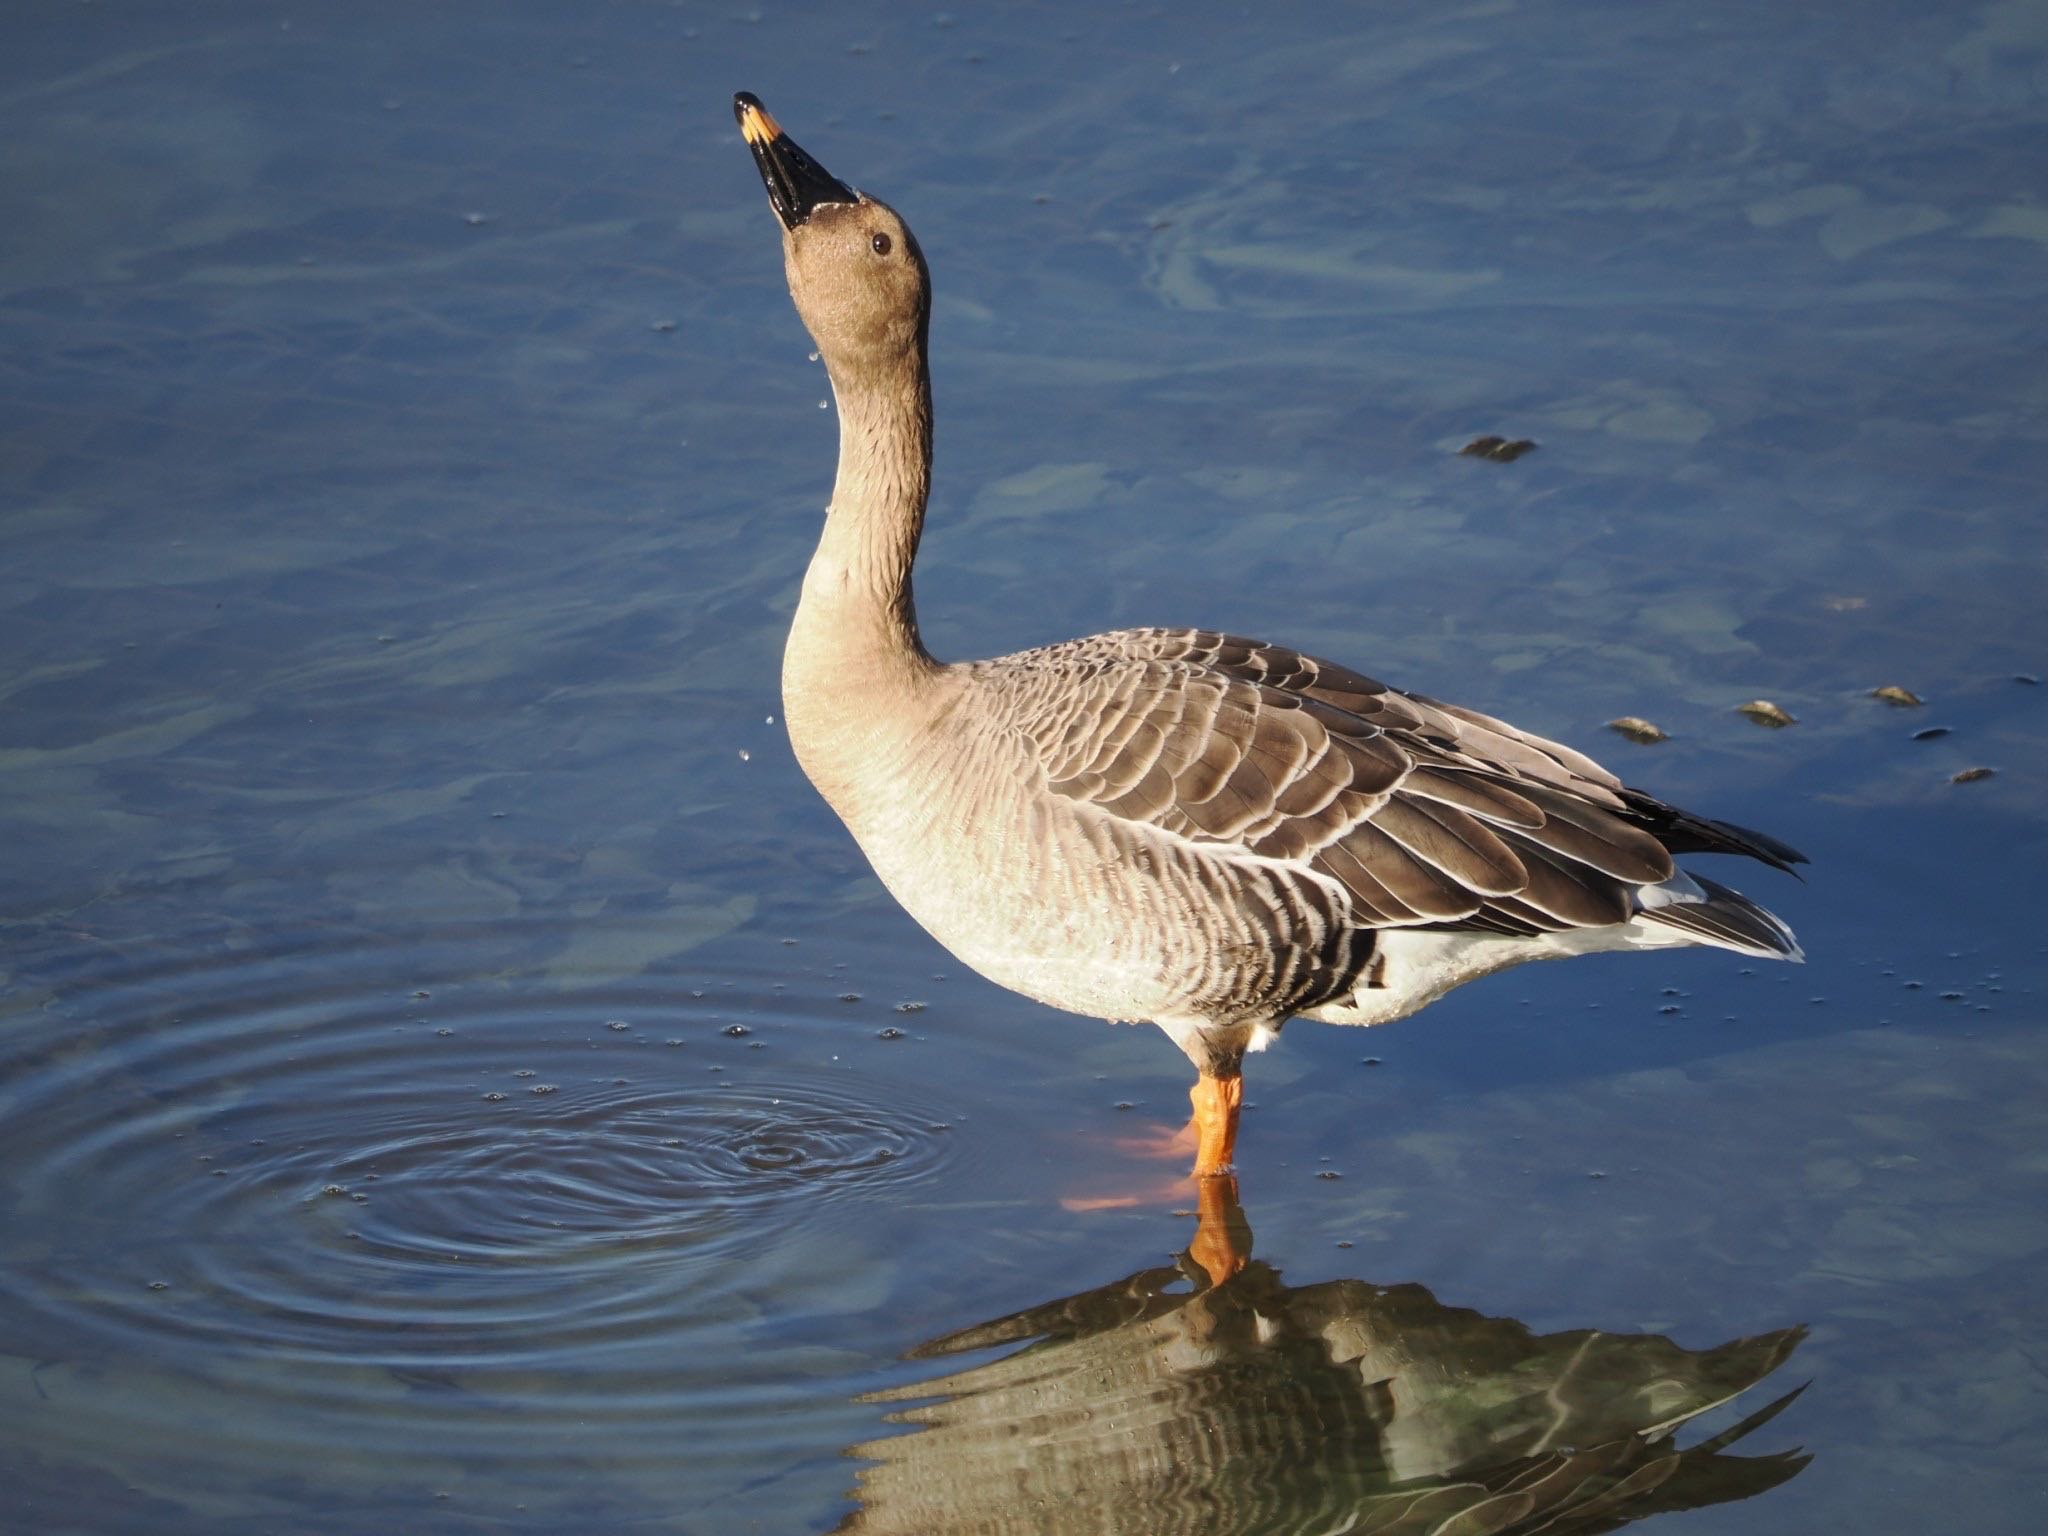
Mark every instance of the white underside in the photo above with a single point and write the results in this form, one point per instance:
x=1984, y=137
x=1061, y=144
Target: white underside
x=1420, y=967
x=1182, y=1033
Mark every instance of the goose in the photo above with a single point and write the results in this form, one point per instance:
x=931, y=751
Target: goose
x=1209, y=833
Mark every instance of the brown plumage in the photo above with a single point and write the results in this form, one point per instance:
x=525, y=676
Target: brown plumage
x=1210, y=833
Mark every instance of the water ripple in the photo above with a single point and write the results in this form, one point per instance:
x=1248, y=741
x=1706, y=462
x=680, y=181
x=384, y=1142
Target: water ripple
x=272, y=1169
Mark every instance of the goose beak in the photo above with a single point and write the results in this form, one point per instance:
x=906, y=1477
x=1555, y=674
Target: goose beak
x=796, y=183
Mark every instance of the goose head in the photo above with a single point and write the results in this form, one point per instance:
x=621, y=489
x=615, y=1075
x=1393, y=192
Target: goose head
x=854, y=269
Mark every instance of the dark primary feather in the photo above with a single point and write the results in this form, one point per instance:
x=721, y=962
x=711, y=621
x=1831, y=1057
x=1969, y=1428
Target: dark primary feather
x=1683, y=832
x=1428, y=814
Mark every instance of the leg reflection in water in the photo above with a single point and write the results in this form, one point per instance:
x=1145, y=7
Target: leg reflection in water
x=1211, y=1396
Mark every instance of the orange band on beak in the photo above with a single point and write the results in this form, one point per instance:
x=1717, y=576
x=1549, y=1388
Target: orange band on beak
x=756, y=126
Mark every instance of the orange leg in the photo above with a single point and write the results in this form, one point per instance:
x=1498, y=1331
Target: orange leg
x=1223, y=1238
x=1216, y=1101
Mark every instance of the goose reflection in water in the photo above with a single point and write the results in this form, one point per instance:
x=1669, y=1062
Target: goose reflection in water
x=1210, y=1396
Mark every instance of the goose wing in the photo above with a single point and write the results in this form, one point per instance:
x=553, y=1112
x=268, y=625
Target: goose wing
x=1428, y=815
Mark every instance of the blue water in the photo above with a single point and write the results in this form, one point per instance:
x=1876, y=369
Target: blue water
x=456, y=1076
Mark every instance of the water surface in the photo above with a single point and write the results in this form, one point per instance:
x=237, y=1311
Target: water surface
x=456, y=1076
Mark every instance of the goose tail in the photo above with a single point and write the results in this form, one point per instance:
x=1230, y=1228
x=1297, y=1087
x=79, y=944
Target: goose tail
x=1708, y=912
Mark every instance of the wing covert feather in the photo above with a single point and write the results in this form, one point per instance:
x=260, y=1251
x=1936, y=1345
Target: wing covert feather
x=1426, y=814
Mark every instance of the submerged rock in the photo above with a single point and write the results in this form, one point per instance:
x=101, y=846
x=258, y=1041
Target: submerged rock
x=1500, y=450
x=1767, y=714
x=1636, y=728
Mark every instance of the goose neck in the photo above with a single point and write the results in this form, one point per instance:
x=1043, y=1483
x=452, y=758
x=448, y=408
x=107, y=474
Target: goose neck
x=857, y=603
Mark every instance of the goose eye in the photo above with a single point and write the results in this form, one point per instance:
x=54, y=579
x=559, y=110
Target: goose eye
x=879, y=243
